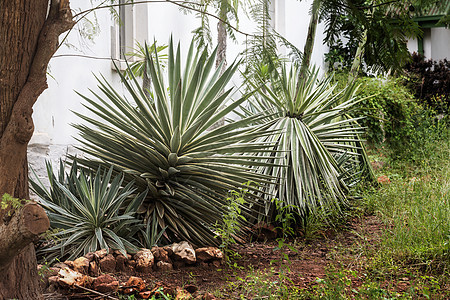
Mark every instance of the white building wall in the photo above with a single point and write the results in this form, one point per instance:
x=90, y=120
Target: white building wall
x=440, y=43
x=54, y=136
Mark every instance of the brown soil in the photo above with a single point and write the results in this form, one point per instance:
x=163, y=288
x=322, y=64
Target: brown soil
x=307, y=261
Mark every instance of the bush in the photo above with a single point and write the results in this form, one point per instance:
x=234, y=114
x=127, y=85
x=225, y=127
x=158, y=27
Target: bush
x=388, y=108
x=430, y=81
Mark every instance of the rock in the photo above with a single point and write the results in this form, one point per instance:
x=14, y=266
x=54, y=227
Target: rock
x=135, y=283
x=164, y=266
x=81, y=265
x=93, y=269
x=105, y=284
x=53, y=280
x=383, y=179
x=60, y=265
x=132, y=263
x=144, y=261
x=70, y=277
x=169, y=250
x=101, y=253
x=191, y=288
x=90, y=256
x=184, y=252
x=69, y=263
x=208, y=254
x=108, y=264
x=121, y=263
x=160, y=254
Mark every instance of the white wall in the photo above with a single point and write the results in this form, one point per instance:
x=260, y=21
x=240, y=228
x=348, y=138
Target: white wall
x=436, y=43
x=440, y=43
x=52, y=113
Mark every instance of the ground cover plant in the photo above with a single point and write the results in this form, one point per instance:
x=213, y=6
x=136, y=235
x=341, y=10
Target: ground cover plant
x=160, y=140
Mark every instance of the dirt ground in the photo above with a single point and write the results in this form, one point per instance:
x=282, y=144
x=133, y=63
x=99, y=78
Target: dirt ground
x=308, y=260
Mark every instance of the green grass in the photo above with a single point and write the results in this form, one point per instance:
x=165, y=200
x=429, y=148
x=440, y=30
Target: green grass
x=415, y=206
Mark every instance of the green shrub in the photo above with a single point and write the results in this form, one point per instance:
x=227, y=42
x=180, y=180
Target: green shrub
x=388, y=108
x=88, y=212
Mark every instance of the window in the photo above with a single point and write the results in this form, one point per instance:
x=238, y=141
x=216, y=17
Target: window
x=131, y=27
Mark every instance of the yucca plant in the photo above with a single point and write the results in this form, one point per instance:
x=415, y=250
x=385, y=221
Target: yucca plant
x=88, y=212
x=323, y=154
x=163, y=143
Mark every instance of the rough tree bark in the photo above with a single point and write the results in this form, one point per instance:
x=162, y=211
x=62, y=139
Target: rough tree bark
x=29, y=33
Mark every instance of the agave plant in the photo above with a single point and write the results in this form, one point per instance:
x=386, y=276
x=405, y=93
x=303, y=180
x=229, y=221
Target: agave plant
x=88, y=212
x=323, y=154
x=166, y=145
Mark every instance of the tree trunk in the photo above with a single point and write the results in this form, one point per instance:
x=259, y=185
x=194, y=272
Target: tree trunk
x=221, y=58
x=28, y=39
x=309, y=45
x=356, y=64
x=221, y=41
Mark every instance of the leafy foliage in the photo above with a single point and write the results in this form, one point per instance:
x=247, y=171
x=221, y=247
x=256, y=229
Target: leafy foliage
x=163, y=144
x=319, y=150
x=90, y=212
x=388, y=108
x=430, y=81
x=388, y=23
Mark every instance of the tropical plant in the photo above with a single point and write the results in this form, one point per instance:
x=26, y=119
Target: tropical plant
x=163, y=144
x=321, y=153
x=139, y=66
x=88, y=212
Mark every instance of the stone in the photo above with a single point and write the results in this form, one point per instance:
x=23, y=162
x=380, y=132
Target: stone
x=160, y=254
x=164, y=266
x=93, y=269
x=105, y=283
x=81, y=265
x=70, y=277
x=169, y=250
x=208, y=254
x=183, y=252
x=53, y=280
x=121, y=263
x=101, y=253
x=135, y=283
x=108, y=264
x=69, y=263
x=144, y=261
x=60, y=265
x=90, y=256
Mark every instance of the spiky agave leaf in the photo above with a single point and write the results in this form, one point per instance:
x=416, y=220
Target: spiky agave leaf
x=89, y=212
x=165, y=146
x=323, y=152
